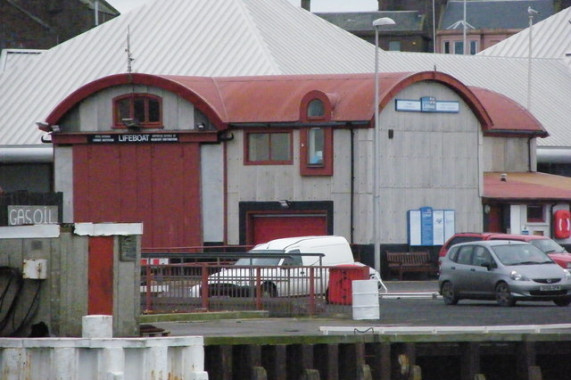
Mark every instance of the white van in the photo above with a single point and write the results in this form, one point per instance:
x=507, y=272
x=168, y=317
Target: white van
x=285, y=267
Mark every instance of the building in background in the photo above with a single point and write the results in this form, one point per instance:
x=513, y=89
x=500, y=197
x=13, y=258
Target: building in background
x=42, y=24
x=487, y=23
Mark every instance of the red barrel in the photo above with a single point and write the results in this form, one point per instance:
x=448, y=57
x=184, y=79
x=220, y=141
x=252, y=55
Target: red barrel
x=340, y=279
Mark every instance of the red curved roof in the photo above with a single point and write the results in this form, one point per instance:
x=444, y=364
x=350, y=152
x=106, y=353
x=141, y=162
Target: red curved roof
x=277, y=99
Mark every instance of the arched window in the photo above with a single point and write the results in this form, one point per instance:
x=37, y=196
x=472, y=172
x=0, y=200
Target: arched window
x=315, y=108
x=137, y=111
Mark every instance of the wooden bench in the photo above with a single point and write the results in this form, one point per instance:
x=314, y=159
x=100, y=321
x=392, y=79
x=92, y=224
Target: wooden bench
x=403, y=262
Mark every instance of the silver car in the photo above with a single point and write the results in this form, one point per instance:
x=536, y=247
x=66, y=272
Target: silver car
x=504, y=270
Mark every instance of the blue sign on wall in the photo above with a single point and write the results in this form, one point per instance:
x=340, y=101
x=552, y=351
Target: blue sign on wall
x=428, y=227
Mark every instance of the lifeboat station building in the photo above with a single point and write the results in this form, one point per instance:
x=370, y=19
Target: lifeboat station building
x=241, y=160
x=235, y=124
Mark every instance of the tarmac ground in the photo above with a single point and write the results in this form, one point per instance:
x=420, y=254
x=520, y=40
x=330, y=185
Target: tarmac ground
x=260, y=324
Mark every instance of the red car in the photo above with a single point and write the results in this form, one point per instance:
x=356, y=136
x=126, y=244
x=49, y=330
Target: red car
x=547, y=245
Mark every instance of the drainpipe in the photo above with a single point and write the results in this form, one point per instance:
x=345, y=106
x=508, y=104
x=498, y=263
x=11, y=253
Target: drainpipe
x=529, y=153
x=351, y=205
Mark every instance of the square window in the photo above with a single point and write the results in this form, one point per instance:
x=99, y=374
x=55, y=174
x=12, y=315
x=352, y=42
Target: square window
x=458, y=47
x=142, y=110
x=394, y=45
x=535, y=214
x=268, y=148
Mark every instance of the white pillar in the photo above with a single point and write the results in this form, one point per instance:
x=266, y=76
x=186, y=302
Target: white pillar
x=97, y=326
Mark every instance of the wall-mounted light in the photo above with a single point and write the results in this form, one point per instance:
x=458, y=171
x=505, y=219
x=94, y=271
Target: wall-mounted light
x=284, y=204
x=226, y=136
x=42, y=126
x=47, y=127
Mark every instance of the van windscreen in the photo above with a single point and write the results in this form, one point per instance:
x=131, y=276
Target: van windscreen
x=259, y=261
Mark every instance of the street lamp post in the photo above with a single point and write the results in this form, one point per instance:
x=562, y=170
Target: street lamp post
x=376, y=144
x=530, y=12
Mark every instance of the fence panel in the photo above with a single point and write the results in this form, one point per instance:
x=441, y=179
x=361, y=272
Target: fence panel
x=206, y=286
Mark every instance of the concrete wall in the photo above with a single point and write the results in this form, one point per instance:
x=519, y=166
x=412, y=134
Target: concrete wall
x=179, y=358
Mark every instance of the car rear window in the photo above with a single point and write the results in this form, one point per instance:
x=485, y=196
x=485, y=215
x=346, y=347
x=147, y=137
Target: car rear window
x=464, y=239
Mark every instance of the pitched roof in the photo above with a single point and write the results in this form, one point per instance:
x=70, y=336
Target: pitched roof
x=551, y=38
x=218, y=38
x=510, y=14
x=527, y=186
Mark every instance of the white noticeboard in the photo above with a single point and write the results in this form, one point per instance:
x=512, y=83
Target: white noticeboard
x=434, y=229
x=438, y=226
x=414, y=230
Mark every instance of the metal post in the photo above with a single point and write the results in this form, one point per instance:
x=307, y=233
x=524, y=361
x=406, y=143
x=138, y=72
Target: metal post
x=376, y=144
x=464, y=31
x=530, y=13
x=433, y=27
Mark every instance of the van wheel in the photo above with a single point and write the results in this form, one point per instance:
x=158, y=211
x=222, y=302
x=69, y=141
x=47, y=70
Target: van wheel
x=503, y=295
x=269, y=290
x=448, y=294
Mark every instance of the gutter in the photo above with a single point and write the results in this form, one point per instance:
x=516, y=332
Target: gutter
x=300, y=124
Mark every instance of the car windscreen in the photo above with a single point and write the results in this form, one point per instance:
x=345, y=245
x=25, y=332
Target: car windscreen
x=258, y=261
x=520, y=254
x=547, y=245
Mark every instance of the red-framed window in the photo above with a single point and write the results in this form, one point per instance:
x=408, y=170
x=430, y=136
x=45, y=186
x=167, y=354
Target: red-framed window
x=535, y=214
x=265, y=147
x=316, y=151
x=316, y=143
x=138, y=111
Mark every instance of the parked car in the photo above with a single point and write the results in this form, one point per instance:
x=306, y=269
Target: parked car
x=547, y=245
x=286, y=267
x=504, y=270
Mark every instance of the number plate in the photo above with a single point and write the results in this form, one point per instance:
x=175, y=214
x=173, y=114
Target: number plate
x=547, y=288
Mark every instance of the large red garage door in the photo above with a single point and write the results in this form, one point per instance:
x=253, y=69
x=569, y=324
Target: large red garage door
x=158, y=185
x=269, y=227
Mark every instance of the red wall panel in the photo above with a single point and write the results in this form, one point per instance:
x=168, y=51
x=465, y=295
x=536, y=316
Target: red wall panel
x=158, y=185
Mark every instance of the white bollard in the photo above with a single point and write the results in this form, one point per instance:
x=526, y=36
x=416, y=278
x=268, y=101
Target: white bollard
x=365, y=299
x=97, y=326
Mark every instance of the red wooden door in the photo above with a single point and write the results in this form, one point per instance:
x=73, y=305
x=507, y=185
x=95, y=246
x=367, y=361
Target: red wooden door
x=100, y=275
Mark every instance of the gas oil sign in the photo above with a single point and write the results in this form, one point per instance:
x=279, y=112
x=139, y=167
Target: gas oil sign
x=24, y=215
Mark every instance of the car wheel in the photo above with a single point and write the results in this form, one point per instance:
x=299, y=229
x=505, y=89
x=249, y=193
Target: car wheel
x=503, y=295
x=563, y=302
x=448, y=294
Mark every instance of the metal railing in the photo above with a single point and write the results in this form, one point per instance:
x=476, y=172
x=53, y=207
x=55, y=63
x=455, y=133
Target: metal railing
x=217, y=286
